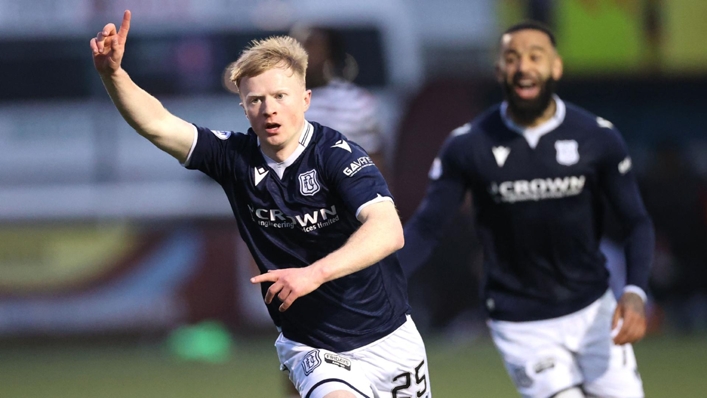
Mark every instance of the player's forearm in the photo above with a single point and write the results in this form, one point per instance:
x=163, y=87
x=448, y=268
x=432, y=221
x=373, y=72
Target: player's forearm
x=147, y=116
x=376, y=239
x=141, y=110
x=640, y=244
x=624, y=195
x=420, y=242
x=429, y=224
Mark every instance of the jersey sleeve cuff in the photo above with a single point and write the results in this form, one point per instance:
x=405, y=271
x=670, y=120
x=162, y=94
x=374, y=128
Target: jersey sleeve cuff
x=193, y=145
x=377, y=199
x=637, y=290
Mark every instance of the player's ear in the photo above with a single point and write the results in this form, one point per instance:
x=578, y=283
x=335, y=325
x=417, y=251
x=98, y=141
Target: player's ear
x=307, y=99
x=244, y=111
x=557, y=68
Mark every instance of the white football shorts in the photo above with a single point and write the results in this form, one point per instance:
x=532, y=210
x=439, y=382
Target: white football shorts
x=393, y=367
x=548, y=356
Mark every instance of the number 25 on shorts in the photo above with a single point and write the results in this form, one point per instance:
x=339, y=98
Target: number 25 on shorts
x=420, y=382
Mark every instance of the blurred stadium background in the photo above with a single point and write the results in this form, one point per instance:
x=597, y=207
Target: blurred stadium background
x=121, y=274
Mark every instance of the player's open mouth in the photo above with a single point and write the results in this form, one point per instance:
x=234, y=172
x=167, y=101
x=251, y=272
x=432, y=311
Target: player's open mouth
x=526, y=88
x=272, y=128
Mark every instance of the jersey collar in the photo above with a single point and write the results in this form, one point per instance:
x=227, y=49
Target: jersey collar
x=304, y=139
x=533, y=134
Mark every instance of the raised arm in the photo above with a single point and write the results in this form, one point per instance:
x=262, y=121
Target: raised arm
x=380, y=235
x=142, y=111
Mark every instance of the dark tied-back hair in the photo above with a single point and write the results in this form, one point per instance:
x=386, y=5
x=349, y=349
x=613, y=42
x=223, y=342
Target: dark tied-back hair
x=534, y=25
x=336, y=46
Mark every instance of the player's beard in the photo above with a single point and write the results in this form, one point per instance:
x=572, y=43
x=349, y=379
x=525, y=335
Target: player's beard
x=525, y=111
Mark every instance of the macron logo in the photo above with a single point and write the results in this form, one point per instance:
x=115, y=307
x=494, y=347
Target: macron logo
x=260, y=173
x=343, y=145
x=461, y=130
x=604, y=123
x=501, y=154
x=625, y=165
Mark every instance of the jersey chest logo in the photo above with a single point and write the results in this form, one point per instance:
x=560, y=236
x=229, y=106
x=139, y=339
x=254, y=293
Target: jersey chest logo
x=259, y=173
x=501, y=154
x=567, y=152
x=308, y=183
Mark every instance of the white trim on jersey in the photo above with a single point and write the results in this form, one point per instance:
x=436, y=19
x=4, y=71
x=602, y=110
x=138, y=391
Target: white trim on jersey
x=193, y=145
x=307, y=134
x=304, y=139
x=377, y=199
x=637, y=290
x=533, y=134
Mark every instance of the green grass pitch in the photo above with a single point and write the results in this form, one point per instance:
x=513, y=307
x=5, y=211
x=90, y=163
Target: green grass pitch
x=671, y=367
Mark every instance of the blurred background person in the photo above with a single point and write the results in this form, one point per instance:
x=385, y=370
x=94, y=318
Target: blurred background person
x=337, y=101
x=538, y=169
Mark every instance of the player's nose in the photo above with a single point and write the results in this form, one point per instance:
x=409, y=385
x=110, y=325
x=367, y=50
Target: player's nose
x=523, y=64
x=269, y=106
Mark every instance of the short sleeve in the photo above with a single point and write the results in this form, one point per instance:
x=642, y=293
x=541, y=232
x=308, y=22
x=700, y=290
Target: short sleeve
x=214, y=152
x=353, y=174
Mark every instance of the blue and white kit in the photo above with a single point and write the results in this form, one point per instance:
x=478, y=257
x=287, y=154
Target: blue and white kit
x=293, y=213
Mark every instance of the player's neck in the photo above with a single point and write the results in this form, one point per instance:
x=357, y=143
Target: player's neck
x=282, y=152
x=547, y=114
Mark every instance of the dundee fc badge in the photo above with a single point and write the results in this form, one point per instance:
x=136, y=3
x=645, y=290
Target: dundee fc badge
x=308, y=184
x=567, y=152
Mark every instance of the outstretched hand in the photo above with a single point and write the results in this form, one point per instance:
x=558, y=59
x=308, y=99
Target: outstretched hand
x=289, y=284
x=109, y=46
x=629, y=320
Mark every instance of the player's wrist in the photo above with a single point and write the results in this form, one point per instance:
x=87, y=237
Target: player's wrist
x=320, y=273
x=637, y=291
x=111, y=74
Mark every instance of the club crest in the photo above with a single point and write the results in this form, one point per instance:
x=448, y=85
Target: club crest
x=520, y=376
x=222, y=135
x=308, y=183
x=567, y=152
x=310, y=362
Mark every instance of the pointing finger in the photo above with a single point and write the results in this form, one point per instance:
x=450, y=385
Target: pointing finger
x=267, y=277
x=125, y=25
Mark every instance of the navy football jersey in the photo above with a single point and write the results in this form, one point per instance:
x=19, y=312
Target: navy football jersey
x=293, y=216
x=538, y=196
